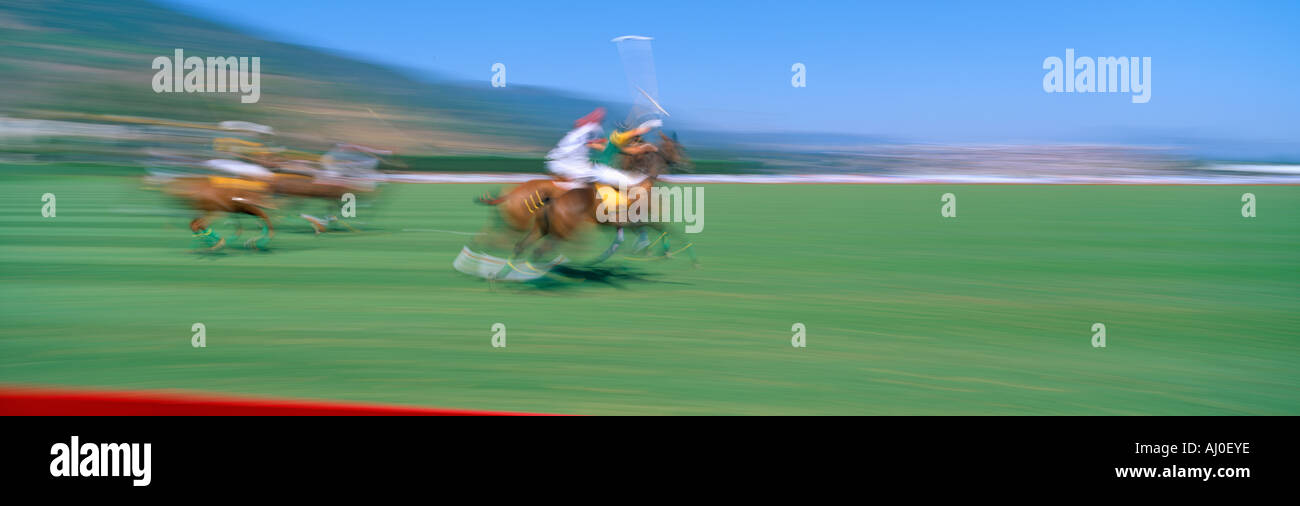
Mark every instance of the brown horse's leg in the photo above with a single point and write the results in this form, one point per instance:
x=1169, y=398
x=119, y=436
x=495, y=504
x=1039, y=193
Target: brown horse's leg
x=689, y=248
x=541, y=227
x=202, y=229
x=665, y=240
x=265, y=240
x=316, y=223
x=643, y=242
x=548, y=244
x=533, y=234
x=613, y=247
x=524, y=241
x=332, y=215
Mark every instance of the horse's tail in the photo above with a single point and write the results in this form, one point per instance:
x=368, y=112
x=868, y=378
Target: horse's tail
x=489, y=199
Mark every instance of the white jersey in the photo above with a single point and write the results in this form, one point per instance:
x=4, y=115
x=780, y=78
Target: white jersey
x=239, y=168
x=569, y=160
x=573, y=146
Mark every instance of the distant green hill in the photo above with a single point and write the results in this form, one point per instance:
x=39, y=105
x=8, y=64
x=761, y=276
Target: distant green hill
x=94, y=57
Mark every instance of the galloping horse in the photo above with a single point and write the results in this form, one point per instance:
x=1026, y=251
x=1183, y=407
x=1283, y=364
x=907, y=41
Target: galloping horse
x=213, y=195
x=331, y=192
x=347, y=168
x=518, y=206
x=570, y=212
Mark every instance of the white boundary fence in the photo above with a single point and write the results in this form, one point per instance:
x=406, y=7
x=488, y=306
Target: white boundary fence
x=1233, y=175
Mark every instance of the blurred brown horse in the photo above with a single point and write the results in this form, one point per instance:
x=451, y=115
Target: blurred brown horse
x=331, y=192
x=518, y=206
x=298, y=176
x=570, y=212
x=215, y=195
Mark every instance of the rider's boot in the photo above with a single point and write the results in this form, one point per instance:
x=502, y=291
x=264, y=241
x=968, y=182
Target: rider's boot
x=263, y=242
x=210, y=238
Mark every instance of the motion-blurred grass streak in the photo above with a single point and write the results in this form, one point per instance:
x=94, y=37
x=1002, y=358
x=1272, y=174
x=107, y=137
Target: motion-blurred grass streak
x=907, y=312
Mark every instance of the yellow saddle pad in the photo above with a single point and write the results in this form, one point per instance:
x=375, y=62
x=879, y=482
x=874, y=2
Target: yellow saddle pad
x=610, y=196
x=242, y=184
x=233, y=145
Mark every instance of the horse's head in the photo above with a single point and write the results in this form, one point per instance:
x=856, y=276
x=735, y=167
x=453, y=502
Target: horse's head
x=673, y=154
x=669, y=156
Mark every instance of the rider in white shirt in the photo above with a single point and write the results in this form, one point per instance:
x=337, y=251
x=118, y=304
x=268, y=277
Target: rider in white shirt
x=570, y=159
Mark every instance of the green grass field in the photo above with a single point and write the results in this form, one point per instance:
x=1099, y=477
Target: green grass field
x=906, y=312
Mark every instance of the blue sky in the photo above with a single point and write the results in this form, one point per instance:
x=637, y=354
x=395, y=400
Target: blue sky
x=926, y=71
